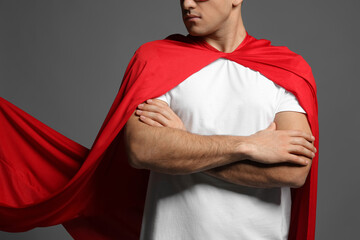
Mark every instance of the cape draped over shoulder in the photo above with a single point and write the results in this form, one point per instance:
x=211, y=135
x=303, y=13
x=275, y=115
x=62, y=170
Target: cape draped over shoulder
x=48, y=179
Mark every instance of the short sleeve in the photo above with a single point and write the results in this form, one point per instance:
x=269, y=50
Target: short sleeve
x=164, y=98
x=288, y=102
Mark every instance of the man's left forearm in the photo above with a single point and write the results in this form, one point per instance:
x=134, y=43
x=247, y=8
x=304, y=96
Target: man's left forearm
x=252, y=174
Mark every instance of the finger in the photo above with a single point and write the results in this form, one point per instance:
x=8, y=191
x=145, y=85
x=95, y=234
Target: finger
x=303, y=151
x=150, y=122
x=158, y=102
x=292, y=158
x=307, y=136
x=154, y=117
x=303, y=142
x=163, y=110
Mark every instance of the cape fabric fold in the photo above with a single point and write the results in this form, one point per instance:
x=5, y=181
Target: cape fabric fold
x=48, y=179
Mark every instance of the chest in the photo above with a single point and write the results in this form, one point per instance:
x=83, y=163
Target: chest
x=223, y=95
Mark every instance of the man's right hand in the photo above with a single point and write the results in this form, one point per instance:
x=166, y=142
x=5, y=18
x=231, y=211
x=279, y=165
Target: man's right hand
x=272, y=146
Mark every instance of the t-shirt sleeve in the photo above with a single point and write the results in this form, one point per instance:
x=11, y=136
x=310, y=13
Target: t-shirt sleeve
x=164, y=98
x=288, y=102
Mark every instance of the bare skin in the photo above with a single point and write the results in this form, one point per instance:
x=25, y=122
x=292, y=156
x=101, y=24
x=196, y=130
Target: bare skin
x=269, y=158
x=218, y=22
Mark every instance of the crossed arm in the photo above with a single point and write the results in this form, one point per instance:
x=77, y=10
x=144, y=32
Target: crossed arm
x=254, y=174
x=157, y=140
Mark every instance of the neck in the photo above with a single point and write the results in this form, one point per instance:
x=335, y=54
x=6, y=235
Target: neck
x=229, y=36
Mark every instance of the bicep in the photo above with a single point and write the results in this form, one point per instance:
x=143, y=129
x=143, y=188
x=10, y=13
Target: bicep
x=144, y=142
x=137, y=132
x=289, y=120
x=294, y=121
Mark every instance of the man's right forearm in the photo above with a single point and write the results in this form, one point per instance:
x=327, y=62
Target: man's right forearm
x=174, y=151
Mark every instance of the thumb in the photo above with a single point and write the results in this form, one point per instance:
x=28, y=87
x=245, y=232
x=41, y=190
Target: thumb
x=271, y=127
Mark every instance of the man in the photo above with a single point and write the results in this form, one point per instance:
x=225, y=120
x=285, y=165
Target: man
x=220, y=168
x=215, y=173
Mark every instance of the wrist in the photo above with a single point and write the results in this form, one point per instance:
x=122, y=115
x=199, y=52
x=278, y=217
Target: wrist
x=243, y=148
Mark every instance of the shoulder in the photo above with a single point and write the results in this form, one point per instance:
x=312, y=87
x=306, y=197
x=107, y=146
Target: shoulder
x=164, y=47
x=152, y=47
x=266, y=46
x=282, y=55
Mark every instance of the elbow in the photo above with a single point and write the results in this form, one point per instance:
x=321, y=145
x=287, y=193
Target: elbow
x=298, y=177
x=298, y=182
x=293, y=176
x=136, y=156
x=134, y=161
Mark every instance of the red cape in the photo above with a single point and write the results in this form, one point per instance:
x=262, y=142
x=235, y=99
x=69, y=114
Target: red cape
x=47, y=179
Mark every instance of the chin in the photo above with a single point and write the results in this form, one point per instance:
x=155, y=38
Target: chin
x=197, y=32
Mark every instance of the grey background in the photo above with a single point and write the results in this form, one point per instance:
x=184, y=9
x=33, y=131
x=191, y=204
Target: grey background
x=63, y=61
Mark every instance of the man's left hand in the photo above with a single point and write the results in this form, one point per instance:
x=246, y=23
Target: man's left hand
x=155, y=112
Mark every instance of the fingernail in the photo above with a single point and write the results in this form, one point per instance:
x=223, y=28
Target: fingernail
x=138, y=112
x=141, y=105
x=149, y=101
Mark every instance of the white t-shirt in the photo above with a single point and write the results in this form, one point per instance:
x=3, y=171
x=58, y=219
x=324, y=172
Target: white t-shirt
x=224, y=98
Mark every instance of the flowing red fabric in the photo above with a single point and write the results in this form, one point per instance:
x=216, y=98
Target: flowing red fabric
x=48, y=179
